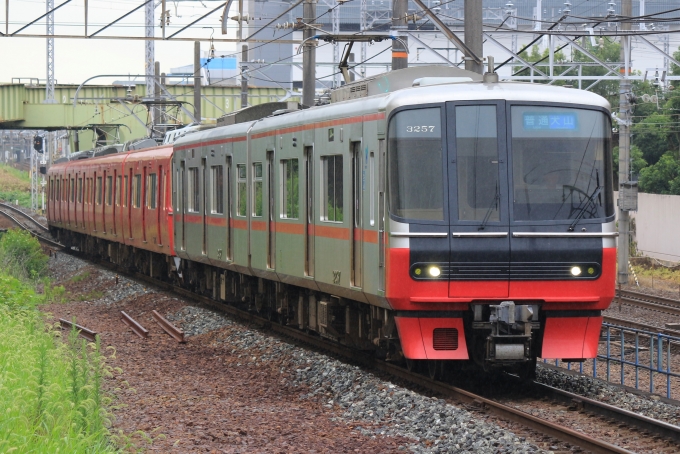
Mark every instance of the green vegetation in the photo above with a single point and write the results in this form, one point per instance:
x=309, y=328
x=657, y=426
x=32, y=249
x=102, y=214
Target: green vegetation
x=15, y=185
x=80, y=277
x=51, y=396
x=91, y=296
x=21, y=256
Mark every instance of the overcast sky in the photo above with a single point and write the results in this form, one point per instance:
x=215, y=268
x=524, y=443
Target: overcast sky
x=79, y=59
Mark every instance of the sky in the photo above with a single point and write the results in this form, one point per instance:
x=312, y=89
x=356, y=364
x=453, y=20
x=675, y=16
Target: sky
x=79, y=59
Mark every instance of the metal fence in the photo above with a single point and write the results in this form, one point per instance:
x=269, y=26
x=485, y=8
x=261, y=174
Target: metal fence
x=634, y=357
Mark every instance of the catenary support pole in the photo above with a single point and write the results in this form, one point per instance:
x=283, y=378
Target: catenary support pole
x=244, y=76
x=197, y=81
x=309, y=54
x=624, y=145
x=473, y=34
x=399, y=27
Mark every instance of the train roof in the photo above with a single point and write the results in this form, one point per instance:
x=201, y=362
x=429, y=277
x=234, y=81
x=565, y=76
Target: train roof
x=407, y=87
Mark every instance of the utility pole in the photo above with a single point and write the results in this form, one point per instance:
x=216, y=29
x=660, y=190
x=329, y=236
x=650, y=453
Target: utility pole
x=149, y=57
x=399, y=25
x=49, y=22
x=624, y=147
x=156, y=95
x=197, y=81
x=473, y=34
x=309, y=54
x=244, y=76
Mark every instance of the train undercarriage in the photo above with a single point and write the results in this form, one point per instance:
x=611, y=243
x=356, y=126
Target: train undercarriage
x=499, y=336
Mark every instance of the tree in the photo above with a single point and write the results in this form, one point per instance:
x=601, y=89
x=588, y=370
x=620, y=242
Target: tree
x=662, y=177
x=637, y=162
x=652, y=136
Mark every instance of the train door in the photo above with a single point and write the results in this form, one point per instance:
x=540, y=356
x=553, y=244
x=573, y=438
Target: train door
x=158, y=203
x=228, y=212
x=128, y=197
x=309, y=211
x=116, y=200
x=357, y=232
x=271, y=229
x=478, y=206
x=204, y=207
x=141, y=201
x=183, y=203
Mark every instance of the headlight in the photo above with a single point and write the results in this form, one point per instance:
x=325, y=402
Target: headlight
x=434, y=271
x=576, y=271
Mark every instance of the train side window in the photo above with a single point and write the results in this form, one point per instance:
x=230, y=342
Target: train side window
x=242, y=191
x=193, y=199
x=151, y=191
x=73, y=190
x=290, y=193
x=118, y=190
x=331, y=187
x=88, y=182
x=80, y=190
x=137, y=191
x=109, y=190
x=217, y=190
x=257, y=189
x=99, y=190
x=125, y=188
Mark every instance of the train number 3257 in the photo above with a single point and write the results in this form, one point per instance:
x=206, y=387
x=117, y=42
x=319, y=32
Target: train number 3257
x=420, y=128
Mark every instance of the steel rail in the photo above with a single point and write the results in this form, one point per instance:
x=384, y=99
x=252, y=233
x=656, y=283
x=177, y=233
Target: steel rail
x=659, y=303
x=503, y=411
x=134, y=326
x=82, y=331
x=645, y=423
x=23, y=227
x=26, y=215
x=168, y=327
x=640, y=326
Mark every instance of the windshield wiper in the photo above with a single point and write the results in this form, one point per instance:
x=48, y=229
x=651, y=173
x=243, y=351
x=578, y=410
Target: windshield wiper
x=581, y=210
x=488, y=211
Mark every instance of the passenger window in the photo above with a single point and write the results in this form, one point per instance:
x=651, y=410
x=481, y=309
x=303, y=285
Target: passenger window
x=193, y=197
x=80, y=190
x=137, y=191
x=109, y=190
x=151, y=191
x=217, y=190
x=331, y=185
x=118, y=190
x=257, y=189
x=99, y=190
x=290, y=194
x=242, y=194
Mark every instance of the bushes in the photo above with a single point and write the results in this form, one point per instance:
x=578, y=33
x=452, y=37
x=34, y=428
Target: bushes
x=21, y=255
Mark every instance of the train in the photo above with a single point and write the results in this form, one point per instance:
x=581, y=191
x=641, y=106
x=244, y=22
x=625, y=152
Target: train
x=438, y=217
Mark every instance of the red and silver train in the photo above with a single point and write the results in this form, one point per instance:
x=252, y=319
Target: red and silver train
x=429, y=214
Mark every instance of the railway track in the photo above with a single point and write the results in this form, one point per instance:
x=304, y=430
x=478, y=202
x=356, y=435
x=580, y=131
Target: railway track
x=503, y=411
x=13, y=215
x=656, y=303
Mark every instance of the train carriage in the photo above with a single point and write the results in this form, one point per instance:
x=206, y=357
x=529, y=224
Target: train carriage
x=425, y=213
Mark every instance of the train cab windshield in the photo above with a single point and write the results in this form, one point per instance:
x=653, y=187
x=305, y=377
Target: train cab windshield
x=559, y=163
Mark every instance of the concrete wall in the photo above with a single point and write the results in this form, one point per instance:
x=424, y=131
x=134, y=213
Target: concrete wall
x=657, y=225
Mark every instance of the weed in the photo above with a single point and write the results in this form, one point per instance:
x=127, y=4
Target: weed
x=80, y=277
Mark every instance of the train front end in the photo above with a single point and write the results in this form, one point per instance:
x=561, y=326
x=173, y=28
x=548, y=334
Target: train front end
x=501, y=230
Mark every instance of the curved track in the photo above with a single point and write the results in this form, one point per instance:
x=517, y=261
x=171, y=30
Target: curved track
x=4, y=208
x=503, y=411
x=7, y=208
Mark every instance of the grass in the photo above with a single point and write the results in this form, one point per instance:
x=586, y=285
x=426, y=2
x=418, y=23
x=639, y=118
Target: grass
x=91, y=296
x=15, y=185
x=51, y=395
x=81, y=277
